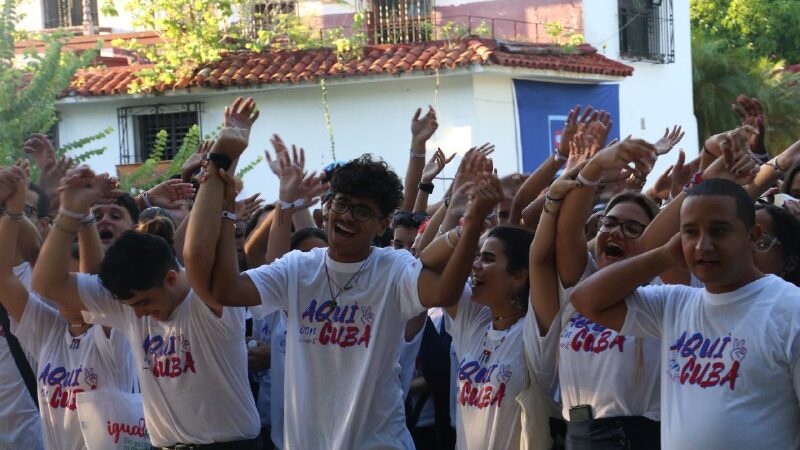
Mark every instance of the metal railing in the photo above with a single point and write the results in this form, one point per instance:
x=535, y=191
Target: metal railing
x=423, y=29
x=647, y=30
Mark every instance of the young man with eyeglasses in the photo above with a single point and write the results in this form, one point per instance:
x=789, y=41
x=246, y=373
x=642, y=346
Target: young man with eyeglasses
x=730, y=352
x=346, y=305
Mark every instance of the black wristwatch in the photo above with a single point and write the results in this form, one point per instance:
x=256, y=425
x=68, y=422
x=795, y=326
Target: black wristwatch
x=426, y=187
x=220, y=160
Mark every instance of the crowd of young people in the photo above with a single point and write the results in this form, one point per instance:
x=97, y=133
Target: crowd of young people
x=563, y=309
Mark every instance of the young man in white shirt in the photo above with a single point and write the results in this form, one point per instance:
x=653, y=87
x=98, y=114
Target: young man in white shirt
x=72, y=356
x=730, y=352
x=346, y=305
x=190, y=354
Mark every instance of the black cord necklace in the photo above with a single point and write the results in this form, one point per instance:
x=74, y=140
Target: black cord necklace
x=347, y=286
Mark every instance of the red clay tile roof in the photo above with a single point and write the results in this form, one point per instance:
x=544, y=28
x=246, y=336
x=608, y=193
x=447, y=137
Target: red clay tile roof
x=283, y=66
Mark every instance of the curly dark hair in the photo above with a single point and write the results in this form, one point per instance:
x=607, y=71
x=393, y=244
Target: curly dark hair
x=788, y=178
x=369, y=178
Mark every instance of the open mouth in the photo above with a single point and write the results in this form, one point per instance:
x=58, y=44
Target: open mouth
x=343, y=231
x=476, y=282
x=613, y=250
x=106, y=235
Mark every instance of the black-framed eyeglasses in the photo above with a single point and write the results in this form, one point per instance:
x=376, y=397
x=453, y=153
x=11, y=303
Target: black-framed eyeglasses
x=765, y=242
x=31, y=211
x=631, y=229
x=360, y=213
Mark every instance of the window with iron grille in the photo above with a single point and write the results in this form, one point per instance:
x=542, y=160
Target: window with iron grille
x=400, y=21
x=264, y=12
x=646, y=30
x=139, y=126
x=66, y=13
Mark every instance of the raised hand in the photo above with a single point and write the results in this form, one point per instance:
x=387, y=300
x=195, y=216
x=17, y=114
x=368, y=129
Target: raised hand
x=280, y=148
x=662, y=188
x=569, y=130
x=565, y=183
x=238, y=120
x=169, y=193
x=669, y=140
x=423, y=128
x=682, y=172
x=751, y=113
x=245, y=208
x=597, y=129
x=77, y=191
x=579, y=151
x=618, y=157
x=485, y=196
x=472, y=164
x=195, y=161
x=7, y=184
x=17, y=177
x=296, y=185
x=41, y=151
x=735, y=166
x=435, y=166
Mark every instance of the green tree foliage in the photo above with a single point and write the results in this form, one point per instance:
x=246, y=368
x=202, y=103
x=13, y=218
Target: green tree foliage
x=721, y=73
x=29, y=88
x=768, y=28
x=147, y=175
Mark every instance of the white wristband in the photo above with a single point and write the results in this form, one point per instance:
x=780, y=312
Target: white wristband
x=295, y=204
x=229, y=215
x=417, y=155
x=71, y=214
x=587, y=182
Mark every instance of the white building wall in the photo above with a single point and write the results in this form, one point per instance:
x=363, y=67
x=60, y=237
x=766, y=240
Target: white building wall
x=372, y=117
x=31, y=11
x=657, y=95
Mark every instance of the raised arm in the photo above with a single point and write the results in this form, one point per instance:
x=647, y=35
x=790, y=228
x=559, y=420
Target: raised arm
x=571, y=252
x=543, y=276
x=421, y=130
x=601, y=297
x=255, y=247
x=432, y=169
x=449, y=285
x=79, y=191
x=296, y=189
x=13, y=293
x=205, y=221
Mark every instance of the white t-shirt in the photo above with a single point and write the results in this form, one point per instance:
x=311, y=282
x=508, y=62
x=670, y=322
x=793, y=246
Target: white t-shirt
x=277, y=368
x=407, y=358
x=192, y=367
x=20, y=426
x=491, y=373
x=731, y=363
x=69, y=365
x=617, y=375
x=342, y=360
x=262, y=332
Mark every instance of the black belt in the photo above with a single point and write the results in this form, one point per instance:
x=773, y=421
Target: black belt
x=245, y=444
